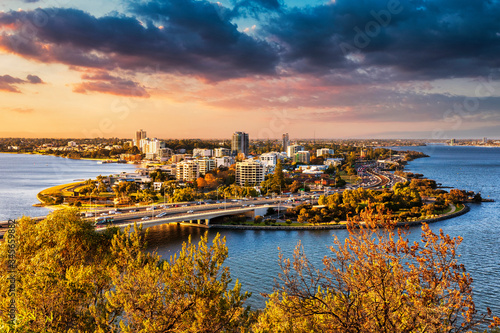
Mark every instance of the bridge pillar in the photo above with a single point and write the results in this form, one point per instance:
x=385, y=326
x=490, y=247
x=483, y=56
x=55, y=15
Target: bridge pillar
x=199, y=221
x=207, y=221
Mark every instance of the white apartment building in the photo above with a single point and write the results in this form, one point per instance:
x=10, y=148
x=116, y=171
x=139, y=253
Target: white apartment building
x=333, y=161
x=201, y=152
x=293, y=149
x=220, y=152
x=187, y=171
x=249, y=172
x=225, y=161
x=152, y=146
x=205, y=165
x=324, y=151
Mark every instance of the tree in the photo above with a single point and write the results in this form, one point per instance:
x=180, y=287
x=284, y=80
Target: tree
x=201, y=183
x=70, y=278
x=375, y=282
x=188, y=293
x=278, y=181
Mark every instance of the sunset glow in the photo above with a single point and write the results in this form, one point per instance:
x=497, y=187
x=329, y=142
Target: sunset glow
x=203, y=69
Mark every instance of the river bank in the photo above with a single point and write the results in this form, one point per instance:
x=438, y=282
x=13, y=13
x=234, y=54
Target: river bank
x=443, y=217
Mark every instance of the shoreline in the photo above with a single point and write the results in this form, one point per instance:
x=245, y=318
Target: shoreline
x=463, y=211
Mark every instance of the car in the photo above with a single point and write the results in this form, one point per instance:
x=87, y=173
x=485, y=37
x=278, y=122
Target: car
x=189, y=211
x=252, y=205
x=132, y=210
x=161, y=214
x=145, y=218
x=104, y=214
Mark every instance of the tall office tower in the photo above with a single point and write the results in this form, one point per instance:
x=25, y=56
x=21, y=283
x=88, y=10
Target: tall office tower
x=139, y=135
x=285, y=142
x=239, y=143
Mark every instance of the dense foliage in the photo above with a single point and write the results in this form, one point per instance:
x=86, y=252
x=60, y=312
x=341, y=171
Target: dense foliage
x=70, y=278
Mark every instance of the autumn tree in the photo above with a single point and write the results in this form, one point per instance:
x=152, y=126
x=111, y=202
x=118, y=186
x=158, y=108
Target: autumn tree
x=188, y=293
x=70, y=278
x=375, y=281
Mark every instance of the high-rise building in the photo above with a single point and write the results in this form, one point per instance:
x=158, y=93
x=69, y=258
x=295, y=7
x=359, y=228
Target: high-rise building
x=293, y=149
x=249, y=172
x=239, y=143
x=285, y=142
x=139, y=135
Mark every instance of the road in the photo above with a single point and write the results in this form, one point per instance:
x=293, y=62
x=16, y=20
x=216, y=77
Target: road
x=372, y=178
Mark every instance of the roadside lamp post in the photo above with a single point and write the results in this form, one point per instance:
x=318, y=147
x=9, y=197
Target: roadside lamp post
x=279, y=202
x=217, y=191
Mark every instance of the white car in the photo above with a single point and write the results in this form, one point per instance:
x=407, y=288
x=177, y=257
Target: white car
x=145, y=218
x=189, y=211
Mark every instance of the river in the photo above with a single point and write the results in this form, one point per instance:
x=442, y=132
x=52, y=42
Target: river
x=24, y=176
x=253, y=255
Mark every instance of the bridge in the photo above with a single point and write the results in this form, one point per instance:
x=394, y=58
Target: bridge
x=199, y=218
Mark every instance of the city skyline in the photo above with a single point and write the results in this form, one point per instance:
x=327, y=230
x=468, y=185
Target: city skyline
x=200, y=69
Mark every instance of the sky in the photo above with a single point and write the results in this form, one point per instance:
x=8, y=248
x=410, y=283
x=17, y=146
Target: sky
x=424, y=69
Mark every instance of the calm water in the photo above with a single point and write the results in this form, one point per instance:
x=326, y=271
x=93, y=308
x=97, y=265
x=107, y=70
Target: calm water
x=24, y=176
x=253, y=255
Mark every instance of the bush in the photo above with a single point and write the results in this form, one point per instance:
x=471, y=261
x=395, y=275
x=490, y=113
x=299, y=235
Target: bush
x=258, y=219
x=288, y=221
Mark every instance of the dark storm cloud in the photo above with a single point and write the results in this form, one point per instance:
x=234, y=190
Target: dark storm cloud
x=419, y=39
x=394, y=40
x=9, y=83
x=193, y=39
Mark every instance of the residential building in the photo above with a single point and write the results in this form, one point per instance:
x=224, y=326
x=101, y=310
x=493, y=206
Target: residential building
x=324, y=151
x=205, y=165
x=269, y=159
x=249, y=172
x=225, y=161
x=187, y=171
x=139, y=135
x=293, y=149
x=219, y=152
x=333, y=161
x=164, y=154
x=177, y=158
x=284, y=142
x=302, y=157
x=239, y=143
x=201, y=152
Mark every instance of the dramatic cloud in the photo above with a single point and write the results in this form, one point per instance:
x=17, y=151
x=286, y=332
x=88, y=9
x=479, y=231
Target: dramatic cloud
x=415, y=39
x=186, y=37
x=105, y=83
x=8, y=83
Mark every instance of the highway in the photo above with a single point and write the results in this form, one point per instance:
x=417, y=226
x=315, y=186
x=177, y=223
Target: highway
x=372, y=178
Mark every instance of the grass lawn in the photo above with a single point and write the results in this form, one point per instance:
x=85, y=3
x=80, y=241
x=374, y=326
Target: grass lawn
x=354, y=179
